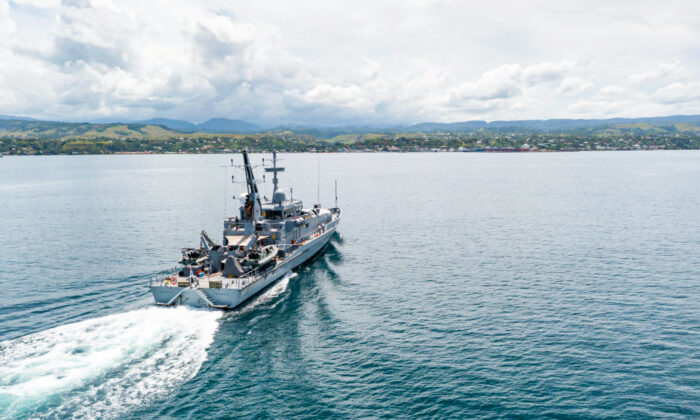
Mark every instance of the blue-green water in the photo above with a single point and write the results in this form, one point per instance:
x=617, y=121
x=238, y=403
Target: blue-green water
x=462, y=285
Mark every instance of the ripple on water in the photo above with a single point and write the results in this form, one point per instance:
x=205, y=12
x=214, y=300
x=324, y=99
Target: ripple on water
x=464, y=286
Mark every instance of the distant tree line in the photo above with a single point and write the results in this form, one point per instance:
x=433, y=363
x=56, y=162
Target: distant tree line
x=476, y=141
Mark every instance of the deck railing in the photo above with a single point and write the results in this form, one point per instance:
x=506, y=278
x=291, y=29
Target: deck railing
x=239, y=283
x=245, y=281
x=159, y=279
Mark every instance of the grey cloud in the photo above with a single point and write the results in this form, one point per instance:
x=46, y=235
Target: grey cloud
x=496, y=92
x=546, y=72
x=67, y=50
x=212, y=48
x=76, y=3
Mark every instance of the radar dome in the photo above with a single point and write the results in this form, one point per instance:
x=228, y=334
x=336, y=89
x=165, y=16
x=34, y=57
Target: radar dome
x=280, y=196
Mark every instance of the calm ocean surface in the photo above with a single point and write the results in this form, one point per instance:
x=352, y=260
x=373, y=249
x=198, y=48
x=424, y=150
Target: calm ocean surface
x=461, y=285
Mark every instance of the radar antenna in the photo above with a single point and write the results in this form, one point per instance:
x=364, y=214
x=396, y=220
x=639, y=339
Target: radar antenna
x=274, y=171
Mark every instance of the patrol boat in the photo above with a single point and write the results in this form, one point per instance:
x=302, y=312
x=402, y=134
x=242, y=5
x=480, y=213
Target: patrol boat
x=264, y=243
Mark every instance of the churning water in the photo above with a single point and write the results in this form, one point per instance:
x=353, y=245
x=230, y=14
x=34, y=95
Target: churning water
x=104, y=366
x=461, y=285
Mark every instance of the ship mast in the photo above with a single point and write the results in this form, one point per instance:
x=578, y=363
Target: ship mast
x=274, y=171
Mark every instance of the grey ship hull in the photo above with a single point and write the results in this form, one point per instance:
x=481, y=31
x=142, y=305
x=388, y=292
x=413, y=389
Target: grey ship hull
x=238, y=293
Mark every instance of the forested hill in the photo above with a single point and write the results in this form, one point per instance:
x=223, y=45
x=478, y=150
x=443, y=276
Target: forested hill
x=27, y=136
x=162, y=128
x=61, y=130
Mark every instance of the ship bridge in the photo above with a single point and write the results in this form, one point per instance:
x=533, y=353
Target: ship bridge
x=280, y=207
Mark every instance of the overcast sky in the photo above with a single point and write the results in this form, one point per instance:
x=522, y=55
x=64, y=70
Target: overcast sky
x=335, y=62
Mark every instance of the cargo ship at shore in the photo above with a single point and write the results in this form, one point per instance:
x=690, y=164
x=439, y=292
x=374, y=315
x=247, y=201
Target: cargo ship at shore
x=264, y=243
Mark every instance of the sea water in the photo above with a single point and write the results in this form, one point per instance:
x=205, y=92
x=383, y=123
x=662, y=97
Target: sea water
x=459, y=285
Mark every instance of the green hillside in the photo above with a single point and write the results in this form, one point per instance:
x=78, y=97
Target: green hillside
x=22, y=137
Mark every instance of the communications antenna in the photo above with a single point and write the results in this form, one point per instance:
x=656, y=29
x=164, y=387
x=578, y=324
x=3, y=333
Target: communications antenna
x=274, y=171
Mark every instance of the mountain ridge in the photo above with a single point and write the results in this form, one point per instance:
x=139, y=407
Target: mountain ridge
x=27, y=126
x=213, y=125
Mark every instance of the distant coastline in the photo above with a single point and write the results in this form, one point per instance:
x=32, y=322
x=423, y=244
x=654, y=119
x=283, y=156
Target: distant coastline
x=435, y=142
x=330, y=149
x=34, y=137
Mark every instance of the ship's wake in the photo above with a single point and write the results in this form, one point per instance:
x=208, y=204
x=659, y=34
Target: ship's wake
x=275, y=291
x=103, y=367
x=269, y=298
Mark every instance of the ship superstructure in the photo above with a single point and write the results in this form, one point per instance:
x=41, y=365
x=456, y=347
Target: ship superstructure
x=260, y=245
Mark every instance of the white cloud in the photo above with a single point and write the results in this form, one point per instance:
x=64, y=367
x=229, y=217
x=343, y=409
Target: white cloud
x=612, y=90
x=659, y=72
x=343, y=62
x=574, y=84
x=678, y=92
x=547, y=72
x=43, y=4
x=502, y=82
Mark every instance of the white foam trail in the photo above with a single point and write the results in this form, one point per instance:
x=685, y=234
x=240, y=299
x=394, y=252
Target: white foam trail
x=268, y=295
x=276, y=290
x=103, y=367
